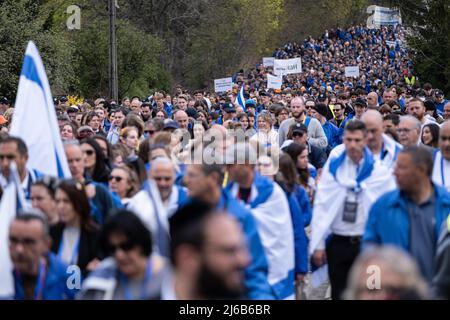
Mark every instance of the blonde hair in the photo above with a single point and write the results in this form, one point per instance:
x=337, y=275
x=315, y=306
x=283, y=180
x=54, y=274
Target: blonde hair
x=126, y=131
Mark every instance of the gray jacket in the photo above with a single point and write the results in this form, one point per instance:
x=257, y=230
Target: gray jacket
x=316, y=135
x=102, y=283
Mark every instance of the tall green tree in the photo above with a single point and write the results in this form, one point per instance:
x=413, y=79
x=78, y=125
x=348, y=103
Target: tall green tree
x=138, y=51
x=429, y=38
x=232, y=35
x=24, y=20
x=139, y=70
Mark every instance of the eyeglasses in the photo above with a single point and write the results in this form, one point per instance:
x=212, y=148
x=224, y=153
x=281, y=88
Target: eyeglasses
x=309, y=107
x=167, y=179
x=298, y=134
x=27, y=242
x=125, y=246
x=89, y=152
x=116, y=178
x=404, y=130
x=149, y=132
x=7, y=156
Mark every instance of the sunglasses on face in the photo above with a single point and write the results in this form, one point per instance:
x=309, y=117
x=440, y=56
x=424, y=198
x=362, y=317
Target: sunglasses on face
x=297, y=134
x=7, y=156
x=149, y=132
x=116, y=178
x=124, y=246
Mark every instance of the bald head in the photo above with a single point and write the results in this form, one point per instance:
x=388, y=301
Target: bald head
x=163, y=173
x=374, y=123
x=372, y=100
x=182, y=119
x=75, y=159
x=372, y=116
x=444, y=140
x=297, y=100
x=447, y=111
x=445, y=125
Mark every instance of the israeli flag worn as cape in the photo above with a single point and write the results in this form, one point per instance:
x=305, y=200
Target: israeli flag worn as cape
x=374, y=180
x=13, y=199
x=34, y=118
x=270, y=208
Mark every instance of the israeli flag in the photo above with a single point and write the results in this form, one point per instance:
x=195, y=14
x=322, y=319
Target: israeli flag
x=34, y=118
x=240, y=100
x=13, y=200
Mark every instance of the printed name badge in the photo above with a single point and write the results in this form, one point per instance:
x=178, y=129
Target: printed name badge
x=350, y=207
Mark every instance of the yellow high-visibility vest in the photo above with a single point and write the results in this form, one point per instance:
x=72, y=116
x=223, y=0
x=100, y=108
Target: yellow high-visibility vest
x=411, y=81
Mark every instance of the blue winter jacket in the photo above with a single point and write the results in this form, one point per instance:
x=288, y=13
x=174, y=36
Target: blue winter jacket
x=388, y=221
x=300, y=239
x=332, y=133
x=56, y=280
x=305, y=205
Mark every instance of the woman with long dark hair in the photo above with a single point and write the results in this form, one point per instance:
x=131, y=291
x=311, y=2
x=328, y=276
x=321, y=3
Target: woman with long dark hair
x=287, y=179
x=430, y=135
x=306, y=172
x=75, y=236
x=95, y=162
x=291, y=182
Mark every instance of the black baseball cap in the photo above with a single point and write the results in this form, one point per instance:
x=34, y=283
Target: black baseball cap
x=299, y=127
x=322, y=97
x=4, y=100
x=228, y=107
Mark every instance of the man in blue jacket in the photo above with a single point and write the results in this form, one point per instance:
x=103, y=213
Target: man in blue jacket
x=204, y=184
x=411, y=216
x=38, y=274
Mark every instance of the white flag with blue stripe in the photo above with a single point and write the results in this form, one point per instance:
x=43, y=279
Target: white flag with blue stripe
x=13, y=200
x=34, y=118
x=240, y=100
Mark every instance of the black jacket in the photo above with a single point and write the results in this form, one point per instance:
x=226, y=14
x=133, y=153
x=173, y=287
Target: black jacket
x=88, y=249
x=317, y=156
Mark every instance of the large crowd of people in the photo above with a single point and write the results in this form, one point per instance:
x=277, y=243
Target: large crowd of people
x=191, y=195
